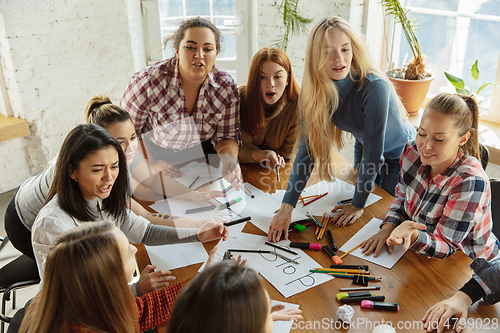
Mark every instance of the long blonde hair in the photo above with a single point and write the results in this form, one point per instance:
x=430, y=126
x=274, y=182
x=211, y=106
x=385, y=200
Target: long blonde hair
x=319, y=96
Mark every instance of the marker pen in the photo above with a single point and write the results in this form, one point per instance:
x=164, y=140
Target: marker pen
x=332, y=254
x=231, y=202
x=332, y=242
x=380, y=306
x=230, y=223
x=363, y=299
x=201, y=209
x=247, y=191
x=355, y=294
x=310, y=246
x=346, y=201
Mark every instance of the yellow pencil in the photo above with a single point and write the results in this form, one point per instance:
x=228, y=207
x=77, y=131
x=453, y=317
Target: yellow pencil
x=325, y=225
x=321, y=222
x=354, y=248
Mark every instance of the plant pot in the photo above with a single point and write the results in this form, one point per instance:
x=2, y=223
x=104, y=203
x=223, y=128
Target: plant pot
x=412, y=92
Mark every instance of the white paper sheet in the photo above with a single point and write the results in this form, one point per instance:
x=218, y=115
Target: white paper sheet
x=262, y=207
x=203, y=171
x=337, y=191
x=289, y=279
x=283, y=326
x=384, y=259
x=177, y=255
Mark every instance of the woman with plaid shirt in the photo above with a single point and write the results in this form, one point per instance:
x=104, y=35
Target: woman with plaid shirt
x=442, y=201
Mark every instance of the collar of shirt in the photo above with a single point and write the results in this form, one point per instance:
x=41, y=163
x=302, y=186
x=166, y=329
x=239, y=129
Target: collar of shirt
x=174, y=76
x=441, y=179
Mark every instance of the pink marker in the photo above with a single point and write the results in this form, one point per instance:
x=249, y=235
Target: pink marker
x=380, y=305
x=310, y=246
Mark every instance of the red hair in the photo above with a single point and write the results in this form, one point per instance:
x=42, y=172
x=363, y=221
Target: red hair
x=252, y=113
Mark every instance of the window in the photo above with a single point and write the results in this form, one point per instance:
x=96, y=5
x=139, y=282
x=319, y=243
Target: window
x=230, y=16
x=452, y=34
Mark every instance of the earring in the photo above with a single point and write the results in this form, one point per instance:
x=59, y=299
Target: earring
x=76, y=180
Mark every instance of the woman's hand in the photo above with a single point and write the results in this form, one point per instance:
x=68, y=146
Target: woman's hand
x=212, y=230
x=406, y=232
x=280, y=223
x=347, y=216
x=377, y=241
x=211, y=259
x=273, y=160
x=279, y=313
x=439, y=315
x=151, y=281
x=231, y=171
x=166, y=168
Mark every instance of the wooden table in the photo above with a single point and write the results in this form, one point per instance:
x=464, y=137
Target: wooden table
x=416, y=282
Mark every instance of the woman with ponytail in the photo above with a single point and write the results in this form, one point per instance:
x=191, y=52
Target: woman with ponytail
x=342, y=91
x=442, y=201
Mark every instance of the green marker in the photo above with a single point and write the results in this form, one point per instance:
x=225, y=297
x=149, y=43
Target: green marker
x=231, y=202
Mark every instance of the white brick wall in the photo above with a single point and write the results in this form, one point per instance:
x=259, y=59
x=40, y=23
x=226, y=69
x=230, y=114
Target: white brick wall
x=270, y=25
x=53, y=62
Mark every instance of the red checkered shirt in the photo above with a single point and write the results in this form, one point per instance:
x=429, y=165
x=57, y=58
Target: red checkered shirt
x=155, y=101
x=454, y=206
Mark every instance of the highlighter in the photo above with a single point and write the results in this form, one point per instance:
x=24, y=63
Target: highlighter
x=348, y=300
x=355, y=294
x=336, y=259
x=231, y=202
x=380, y=305
x=310, y=246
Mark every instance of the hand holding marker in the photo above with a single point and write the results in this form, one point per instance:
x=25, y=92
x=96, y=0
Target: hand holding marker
x=229, y=203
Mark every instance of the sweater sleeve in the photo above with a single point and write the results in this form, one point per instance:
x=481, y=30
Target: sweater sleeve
x=487, y=276
x=376, y=110
x=289, y=147
x=161, y=235
x=155, y=308
x=301, y=171
x=247, y=148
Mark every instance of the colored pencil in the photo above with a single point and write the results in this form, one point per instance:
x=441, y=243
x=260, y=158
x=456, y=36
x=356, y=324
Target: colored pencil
x=354, y=248
x=345, y=270
x=377, y=278
x=318, y=228
x=318, y=197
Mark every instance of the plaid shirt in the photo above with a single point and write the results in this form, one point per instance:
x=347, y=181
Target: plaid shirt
x=155, y=101
x=454, y=206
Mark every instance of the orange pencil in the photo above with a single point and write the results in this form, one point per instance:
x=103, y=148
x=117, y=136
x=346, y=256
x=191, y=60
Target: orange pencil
x=325, y=225
x=317, y=229
x=354, y=248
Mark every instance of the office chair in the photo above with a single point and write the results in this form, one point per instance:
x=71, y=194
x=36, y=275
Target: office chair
x=19, y=273
x=484, y=155
x=495, y=207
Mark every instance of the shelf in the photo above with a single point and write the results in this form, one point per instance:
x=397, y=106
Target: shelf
x=11, y=128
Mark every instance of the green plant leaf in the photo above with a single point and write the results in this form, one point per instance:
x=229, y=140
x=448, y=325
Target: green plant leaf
x=475, y=71
x=461, y=91
x=484, y=86
x=456, y=81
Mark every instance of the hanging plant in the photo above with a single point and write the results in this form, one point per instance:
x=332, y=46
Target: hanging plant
x=293, y=22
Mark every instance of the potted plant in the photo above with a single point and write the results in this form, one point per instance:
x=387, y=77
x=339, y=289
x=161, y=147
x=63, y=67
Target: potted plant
x=413, y=81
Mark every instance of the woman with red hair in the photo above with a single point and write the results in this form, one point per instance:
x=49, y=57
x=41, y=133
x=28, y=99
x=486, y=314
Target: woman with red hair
x=268, y=110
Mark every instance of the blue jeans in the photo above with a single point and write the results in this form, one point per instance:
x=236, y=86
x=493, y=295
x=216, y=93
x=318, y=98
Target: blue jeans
x=387, y=177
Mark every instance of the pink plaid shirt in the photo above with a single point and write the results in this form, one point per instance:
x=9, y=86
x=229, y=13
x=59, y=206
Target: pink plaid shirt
x=155, y=101
x=454, y=206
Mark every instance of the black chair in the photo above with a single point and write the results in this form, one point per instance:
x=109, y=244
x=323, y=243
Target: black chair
x=19, y=273
x=484, y=154
x=495, y=205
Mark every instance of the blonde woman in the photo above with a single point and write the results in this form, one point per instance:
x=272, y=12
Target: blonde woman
x=342, y=91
